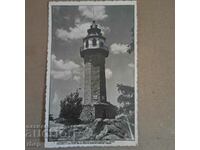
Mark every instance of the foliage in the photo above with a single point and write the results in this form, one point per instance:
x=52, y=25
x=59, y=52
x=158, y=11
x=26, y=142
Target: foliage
x=126, y=98
x=131, y=45
x=71, y=107
x=51, y=117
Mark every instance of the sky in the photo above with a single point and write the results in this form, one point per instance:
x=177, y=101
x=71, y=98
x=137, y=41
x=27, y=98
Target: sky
x=69, y=27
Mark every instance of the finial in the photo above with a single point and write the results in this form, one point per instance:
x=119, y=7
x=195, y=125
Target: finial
x=93, y=24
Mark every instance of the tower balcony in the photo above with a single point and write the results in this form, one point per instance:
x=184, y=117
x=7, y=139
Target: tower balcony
x=94, y=50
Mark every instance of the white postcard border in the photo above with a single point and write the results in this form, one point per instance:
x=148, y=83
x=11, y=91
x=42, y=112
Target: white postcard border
x=62, y=144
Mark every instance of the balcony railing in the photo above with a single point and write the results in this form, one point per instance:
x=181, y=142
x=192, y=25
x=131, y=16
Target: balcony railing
x=89, y=47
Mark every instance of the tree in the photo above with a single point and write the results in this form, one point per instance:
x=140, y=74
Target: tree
x=71, y=108
x=126, y=98
x=51, y=117
x=131, y=46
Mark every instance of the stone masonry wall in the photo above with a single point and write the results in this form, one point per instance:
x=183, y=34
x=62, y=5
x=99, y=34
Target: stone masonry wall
x=88, y=113
x=105, y=111
x=94, y=83
x=87, y=83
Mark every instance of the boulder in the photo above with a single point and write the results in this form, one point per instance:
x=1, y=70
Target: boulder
x=110, y=129
x=111, y=137
x=87, y=134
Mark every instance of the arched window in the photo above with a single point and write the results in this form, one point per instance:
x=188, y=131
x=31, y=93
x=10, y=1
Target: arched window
x=87, y=44
x=94, y=42
x=101, y=44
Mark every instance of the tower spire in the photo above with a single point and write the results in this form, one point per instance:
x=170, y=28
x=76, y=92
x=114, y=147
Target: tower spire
x=93, y=18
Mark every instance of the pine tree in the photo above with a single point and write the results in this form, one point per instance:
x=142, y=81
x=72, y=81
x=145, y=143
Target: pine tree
x=126, y=98
x=131, y=46
x=71, y=107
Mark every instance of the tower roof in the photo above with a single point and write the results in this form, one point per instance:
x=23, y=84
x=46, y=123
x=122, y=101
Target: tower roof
x=94, y=42
x=94, y=29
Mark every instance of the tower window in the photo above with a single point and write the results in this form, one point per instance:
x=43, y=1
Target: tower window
x=101, y=44
x=87, y=44
x=94, y=42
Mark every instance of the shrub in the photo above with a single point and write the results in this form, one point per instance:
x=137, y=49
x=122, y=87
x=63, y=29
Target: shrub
x=71, y=108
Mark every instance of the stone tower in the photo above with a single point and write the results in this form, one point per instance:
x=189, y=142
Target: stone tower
x=94, y=53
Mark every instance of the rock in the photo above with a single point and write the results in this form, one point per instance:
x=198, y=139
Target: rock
x=99, y=129
x=108, y=121
x=55, y=130
x=122, y=124
x=97, y=121
x=92, y=129
x=111, y=137
x=87, y=134
x=102, y=134
x=97, y=126
x=110, y=129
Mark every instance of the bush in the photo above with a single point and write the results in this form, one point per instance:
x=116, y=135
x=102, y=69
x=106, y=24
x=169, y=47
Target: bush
x=126, y=98
x=71, y=108
x=51, y=117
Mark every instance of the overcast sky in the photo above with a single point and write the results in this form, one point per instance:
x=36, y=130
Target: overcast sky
x=69, y=26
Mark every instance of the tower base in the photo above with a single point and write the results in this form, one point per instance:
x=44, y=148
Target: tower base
x=100, y=110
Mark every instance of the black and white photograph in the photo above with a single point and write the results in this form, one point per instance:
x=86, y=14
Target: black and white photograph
x=91, y=77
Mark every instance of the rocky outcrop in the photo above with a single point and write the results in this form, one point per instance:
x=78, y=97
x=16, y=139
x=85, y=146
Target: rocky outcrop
x=113, y=129
x=99, y=129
